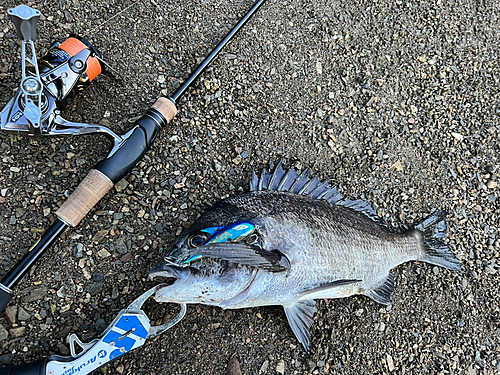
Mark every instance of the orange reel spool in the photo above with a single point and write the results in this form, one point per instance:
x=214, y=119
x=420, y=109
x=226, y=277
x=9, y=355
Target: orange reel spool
x=73, y=46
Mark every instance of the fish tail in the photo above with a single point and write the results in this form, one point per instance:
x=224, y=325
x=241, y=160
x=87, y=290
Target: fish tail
x=431, y=231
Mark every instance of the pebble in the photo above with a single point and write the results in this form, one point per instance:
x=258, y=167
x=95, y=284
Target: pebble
x=127, y=257
x=23, y=315
x=17, y=332
x=11, y=313
x=103, y=253
x=78, y=250
x=263, y=368
x=280, y=367
x=121, y=185
x=233, y=366
x=390, y=363
x=33, y=293
x=94, y=287
x=319, y=67
x=492, y=184
x=63, y=349
x=4, y=334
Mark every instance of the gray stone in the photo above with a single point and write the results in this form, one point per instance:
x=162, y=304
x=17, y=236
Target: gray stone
x=23, y=315
x=3, y=333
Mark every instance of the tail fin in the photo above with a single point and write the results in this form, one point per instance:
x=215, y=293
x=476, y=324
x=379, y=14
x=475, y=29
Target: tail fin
x=436, y=252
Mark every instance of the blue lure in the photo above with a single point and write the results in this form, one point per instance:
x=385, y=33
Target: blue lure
x=232, y=232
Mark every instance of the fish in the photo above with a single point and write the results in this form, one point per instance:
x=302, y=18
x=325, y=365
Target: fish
x=289, y=241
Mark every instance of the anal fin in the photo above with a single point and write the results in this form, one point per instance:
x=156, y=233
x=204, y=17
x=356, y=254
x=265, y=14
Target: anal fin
x=382, y=294
x=300, y=317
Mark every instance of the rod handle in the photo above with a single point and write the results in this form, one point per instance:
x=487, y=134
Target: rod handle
x=90, y=191
x=35, y=368
x=166, y=107
x=112, y=169
x=138, y=141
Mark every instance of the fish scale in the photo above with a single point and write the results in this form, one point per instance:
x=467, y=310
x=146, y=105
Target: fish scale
x=307, y=242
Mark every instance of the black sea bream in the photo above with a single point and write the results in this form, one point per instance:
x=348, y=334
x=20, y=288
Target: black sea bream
x=289, y=241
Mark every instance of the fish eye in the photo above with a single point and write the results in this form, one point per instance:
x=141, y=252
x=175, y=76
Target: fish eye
x=196, y=240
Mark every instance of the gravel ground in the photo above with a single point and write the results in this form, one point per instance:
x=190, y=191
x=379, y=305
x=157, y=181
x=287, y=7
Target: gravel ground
x=396, y=101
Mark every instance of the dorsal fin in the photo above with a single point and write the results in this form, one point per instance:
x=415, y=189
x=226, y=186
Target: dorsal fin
x=301, y=184
x=364, y=207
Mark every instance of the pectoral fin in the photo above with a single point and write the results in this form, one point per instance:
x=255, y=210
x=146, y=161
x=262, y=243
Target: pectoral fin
x=327, y=290
x=300, y=317
x=250, y=255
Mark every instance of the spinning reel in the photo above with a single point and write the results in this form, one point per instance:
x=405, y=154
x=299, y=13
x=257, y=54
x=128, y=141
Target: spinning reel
x=47, y=83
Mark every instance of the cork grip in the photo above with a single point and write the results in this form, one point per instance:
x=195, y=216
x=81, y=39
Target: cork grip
x=93, y=187
x=166, y=107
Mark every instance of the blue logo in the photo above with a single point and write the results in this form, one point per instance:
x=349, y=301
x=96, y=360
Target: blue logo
x=102, y=353
x=16, y=116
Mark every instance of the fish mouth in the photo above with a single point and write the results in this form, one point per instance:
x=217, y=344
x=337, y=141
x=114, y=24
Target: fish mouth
x=168, y=274
x=165, y=280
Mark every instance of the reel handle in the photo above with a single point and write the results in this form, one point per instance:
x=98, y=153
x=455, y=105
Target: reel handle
x=25, y=19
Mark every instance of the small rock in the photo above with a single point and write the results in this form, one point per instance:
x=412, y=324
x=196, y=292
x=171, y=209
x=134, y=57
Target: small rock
x=100, y=325
x=67, y=15
x=23, y=315
x=120, y=368
x=98, y=276
x=115, y=293
x=100, y=235
x=280, y=367
x=159, y=227
x=390, y=362
x=233, y=366
x=94, y=288
x=319, y=67
x=63, y=349
x=78, y=250
x=264, y=366
x=61, y=292
x=121, y=185
x=127, y=257
x=3, y=333
x=33, y=293
x=103, y=253
x=17, y=332
x=11, y=313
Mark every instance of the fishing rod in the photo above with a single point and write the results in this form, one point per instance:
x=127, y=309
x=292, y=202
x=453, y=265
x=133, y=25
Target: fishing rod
x=35, y=110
